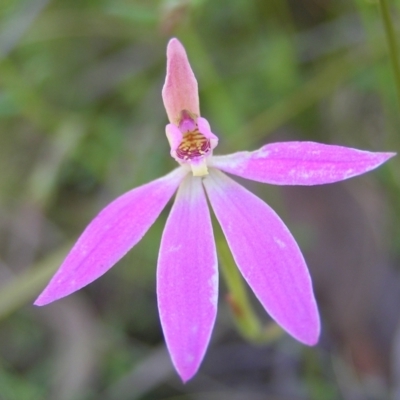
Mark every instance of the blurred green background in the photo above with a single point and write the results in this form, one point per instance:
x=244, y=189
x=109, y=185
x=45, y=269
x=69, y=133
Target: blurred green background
x=82, y=121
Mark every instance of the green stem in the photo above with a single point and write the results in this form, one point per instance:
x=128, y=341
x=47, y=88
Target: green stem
x=245, y=318
x=392, y=43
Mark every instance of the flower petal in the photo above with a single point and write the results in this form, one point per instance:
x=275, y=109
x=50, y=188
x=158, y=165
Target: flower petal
x=300, y=163
x=187, y=279
x=180, y=88
x=116, y=229
x=205, y=129
x=267, y=255
x=174, y=136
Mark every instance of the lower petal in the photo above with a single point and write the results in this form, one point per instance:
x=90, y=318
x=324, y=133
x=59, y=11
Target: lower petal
x=267, y=255
x=110, y=236
x=187, y=278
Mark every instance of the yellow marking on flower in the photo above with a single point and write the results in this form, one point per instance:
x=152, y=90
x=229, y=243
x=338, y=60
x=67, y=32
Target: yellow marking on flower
x=193, y=145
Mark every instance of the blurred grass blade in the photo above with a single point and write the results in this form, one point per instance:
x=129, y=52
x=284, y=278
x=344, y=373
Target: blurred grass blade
x=19, y=23
x=42, y=182
x=318, y=87
x=25, y=287
x=392, y=43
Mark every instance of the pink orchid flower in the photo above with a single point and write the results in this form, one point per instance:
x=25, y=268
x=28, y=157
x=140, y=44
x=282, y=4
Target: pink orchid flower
x=262, y=246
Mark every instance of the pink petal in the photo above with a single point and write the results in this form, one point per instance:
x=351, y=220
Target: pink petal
x=267, y=255
x=174, y=136
x=300, y=163
x=187, y=279
x=205, y=129
x=180, y=88
x=116, y=229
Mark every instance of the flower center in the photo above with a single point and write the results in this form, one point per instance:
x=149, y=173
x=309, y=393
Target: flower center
x=192, y=142
x=193, y=145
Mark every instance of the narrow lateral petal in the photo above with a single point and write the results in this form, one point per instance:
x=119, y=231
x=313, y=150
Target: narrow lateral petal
x=300, y=163
x=180, y=88
x=267, y=255
x=116, y=229
x=187, y=278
